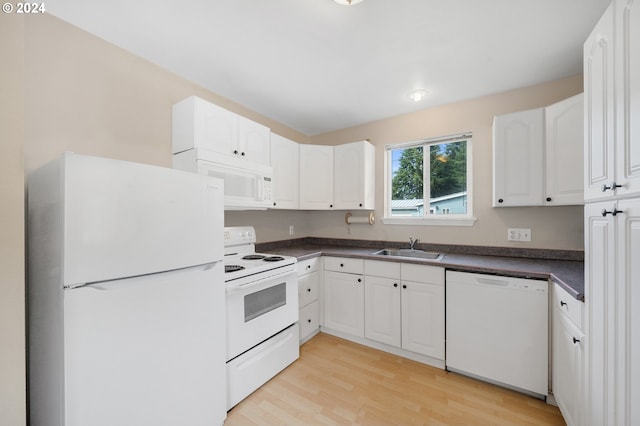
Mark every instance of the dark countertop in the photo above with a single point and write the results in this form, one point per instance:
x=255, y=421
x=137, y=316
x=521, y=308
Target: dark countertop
x=569, y=274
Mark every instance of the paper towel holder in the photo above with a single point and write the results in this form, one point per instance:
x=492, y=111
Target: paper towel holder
x=351, y=219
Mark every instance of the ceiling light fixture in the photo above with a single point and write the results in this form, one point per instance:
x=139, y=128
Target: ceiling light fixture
x=417, y=95
x=347, y=2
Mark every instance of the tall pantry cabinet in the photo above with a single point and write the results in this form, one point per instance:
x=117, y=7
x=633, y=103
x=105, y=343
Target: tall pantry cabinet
x=612, y=217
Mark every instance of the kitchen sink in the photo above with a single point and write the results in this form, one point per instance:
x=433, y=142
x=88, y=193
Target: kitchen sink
x=419, y=254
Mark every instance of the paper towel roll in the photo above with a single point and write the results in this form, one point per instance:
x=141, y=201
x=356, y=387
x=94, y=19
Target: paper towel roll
x=350, y=219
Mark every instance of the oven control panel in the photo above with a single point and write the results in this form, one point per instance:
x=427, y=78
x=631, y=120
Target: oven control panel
x=239, y=235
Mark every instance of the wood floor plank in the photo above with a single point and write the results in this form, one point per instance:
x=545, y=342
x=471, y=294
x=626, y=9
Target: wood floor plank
x=337, y=382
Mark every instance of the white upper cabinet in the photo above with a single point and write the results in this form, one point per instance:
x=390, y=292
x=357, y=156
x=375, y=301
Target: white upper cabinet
x=354, y=174
x=599, y=107
x=564, y=177
x=627, y=68
x=518, y=158
x=201, y=124
x=340, y=177
x=253, y=141
x=285, y=163
x=316, y=177
x=534, y=156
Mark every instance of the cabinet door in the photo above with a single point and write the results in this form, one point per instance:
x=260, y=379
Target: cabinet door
x=344, y=303
x=627, y=314
x=564, y=148
x=316, y=177
x=354, y=186
x=382, y=310
x=599, y=107
x=567, y=364
x=599, y=311
x=254, y=141
x=518, y=140
x=216, y=128
x=423, y=318
x=627, y=26
x=197, y=123
x=284, y=160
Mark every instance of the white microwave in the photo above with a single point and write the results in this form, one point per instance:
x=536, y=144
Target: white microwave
x=247, y=185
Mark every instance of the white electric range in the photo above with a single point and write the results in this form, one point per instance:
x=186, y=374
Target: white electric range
x=262, y=313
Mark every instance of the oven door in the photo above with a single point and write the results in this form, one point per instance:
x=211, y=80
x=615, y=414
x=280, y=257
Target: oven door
x=258, y=308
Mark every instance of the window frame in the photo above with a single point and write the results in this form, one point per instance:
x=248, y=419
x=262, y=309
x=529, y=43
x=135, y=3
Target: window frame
x=428, y=218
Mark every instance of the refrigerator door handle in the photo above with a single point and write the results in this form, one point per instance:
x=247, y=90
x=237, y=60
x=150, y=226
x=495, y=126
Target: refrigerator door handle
x=129, y=281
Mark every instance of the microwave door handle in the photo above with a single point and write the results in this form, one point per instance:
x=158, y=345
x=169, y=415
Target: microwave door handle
x=260, y=184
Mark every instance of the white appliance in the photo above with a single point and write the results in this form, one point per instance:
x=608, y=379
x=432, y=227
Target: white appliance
x=497, y=330
x=247, y=185
x=126, y=295
x=262, y=313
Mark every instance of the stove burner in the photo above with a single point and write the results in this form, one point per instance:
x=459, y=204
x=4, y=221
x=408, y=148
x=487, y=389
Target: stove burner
x=233, y=268
x=254, y=257
x=273, y=259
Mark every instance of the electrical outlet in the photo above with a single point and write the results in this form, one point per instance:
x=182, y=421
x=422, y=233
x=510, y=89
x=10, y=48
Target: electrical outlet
x=291, y=229
x=519, y=234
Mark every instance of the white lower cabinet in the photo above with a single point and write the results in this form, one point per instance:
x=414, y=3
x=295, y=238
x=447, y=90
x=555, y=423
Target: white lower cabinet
x=567, y=355
x=423, y=313
x=404, y=306
x=344, y=296
x=308, y=285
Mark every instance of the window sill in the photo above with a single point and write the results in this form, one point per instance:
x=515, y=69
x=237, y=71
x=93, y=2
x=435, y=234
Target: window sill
x=430, y=221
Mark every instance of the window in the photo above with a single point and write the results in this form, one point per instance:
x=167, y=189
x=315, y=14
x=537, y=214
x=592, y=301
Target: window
x=429, y=189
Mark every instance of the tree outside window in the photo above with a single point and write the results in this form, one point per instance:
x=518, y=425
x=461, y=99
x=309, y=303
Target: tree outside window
x=445, y=171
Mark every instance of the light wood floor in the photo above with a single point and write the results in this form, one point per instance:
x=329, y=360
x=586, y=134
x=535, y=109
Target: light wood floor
x=337, y=382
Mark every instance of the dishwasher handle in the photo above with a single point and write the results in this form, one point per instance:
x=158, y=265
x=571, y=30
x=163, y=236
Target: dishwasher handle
x=490, y=281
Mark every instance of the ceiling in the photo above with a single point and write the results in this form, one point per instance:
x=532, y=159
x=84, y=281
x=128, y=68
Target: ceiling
x=317, y=66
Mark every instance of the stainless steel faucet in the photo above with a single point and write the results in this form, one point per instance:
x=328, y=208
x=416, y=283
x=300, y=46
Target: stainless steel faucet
x=413, y=242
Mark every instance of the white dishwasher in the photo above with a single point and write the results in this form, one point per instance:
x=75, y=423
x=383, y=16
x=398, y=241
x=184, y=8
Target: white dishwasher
x=497, y=330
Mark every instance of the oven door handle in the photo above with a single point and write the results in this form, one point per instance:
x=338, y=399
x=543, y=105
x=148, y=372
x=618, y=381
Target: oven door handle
x=260, y=282
x=264, y=283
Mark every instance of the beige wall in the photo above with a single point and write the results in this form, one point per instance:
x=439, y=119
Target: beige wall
x=91, y=97
x=551, y=227
x=12, y=282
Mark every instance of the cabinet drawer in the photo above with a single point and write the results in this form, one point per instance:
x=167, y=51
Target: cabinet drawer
x=307, y=288
x=344, y=264
x=422, y=273
x=569, y=305
x=379, y=268
x=309, y=322
x=309, y=265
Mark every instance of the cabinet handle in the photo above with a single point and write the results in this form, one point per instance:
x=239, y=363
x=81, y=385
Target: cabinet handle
x=613, y=212
x=331, y=205
x=500, y=200
x=308, y=266
x=395, y=284
x=563, y=303
x=612, y=187
x=274, y=203
x=342, y=265
x=359, y=280
x=235, y=151
x=404, y=286
x=242, y=153
x=548, y=199
x=575, y=340
x=360, y=204
x=309, y=320
x=309, y=290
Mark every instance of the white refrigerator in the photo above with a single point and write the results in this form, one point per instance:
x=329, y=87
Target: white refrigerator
x=126, y=300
